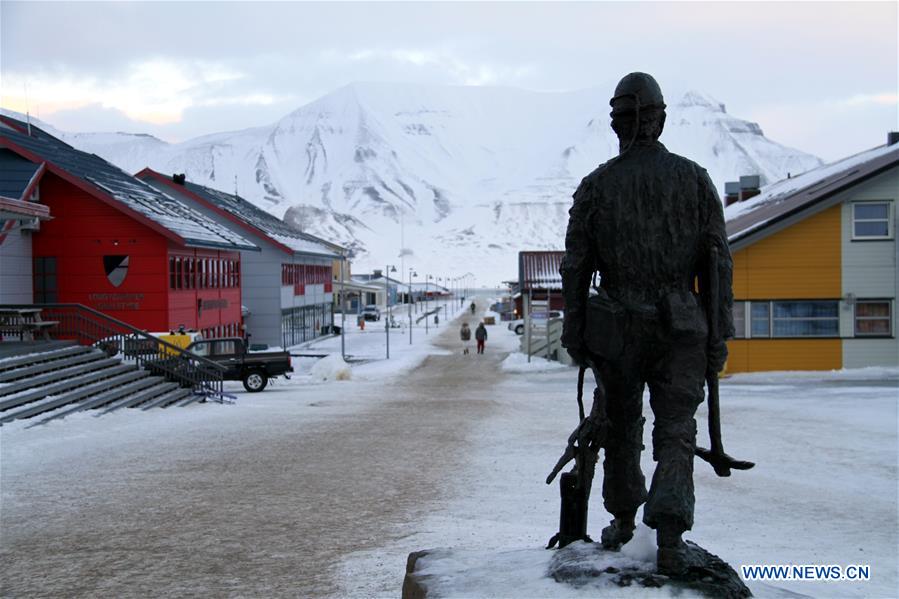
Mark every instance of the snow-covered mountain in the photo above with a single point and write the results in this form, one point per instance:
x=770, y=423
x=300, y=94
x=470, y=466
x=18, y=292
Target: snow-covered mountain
x=454, y=178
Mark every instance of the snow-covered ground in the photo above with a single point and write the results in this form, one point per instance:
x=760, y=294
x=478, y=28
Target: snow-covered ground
x=824, y=490
x=322, y=487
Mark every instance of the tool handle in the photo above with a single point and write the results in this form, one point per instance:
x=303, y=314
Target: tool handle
x=713, y=292
x=712, y=377
x=580, y=391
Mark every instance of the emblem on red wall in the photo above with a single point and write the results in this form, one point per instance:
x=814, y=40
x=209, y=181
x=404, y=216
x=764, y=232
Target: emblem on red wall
x=116, y=268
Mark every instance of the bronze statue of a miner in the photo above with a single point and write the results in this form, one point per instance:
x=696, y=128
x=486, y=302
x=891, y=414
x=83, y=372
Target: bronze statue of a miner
x=641, y=232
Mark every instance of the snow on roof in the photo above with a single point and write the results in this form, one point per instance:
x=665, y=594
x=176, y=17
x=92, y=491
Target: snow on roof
x=429, y=286
x=793, y=194
x=267, y=224
x=178, y=218
x=540, y=270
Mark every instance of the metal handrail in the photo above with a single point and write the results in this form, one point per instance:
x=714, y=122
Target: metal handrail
x=90, y=327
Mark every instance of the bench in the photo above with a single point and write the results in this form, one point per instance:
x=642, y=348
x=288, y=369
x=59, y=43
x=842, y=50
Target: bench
x=19, y=322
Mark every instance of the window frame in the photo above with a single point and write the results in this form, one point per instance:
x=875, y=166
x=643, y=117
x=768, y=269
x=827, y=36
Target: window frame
x=856, y=318
x=776, y=319
x=752, y=319
x=889, y=220
x=740, y=330
x=771, y=332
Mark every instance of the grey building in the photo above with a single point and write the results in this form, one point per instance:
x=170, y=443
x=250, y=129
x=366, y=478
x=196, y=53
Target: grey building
x=20, y=216
x=287, y=288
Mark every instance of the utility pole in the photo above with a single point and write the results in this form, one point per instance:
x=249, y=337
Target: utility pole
x=343, y=307
x=410, y=304
x=390, y=268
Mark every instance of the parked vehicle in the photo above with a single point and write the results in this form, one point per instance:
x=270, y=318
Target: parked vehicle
x=538, y=320
x=253, y=368
x=131, y=347
x=371, y=312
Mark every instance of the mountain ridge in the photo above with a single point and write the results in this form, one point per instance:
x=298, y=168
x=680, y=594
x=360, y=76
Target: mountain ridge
x=469, y=174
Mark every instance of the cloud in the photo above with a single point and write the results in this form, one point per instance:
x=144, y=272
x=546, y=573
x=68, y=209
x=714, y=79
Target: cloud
x=832, y=127
x=446, y=62
x=152, y=91
x=884, y=99
x=176, y=67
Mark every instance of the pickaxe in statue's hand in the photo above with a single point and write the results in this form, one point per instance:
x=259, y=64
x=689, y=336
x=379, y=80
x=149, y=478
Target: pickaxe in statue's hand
x=720, y=461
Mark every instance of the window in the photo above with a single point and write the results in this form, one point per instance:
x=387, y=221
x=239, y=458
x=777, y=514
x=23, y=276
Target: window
x=806, y=319
x=179, y=273
x=873, y=319
x=225, y=348
x=171, y=272
x=44, y=281
x=871, y=220
x=761, y=319
x=739, y=320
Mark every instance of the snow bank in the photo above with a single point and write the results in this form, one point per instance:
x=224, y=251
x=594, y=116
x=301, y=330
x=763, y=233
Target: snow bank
x=870, y=373
x=331, y=368
x=518, y=362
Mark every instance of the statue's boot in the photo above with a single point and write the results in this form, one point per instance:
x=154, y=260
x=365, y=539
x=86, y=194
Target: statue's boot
x=672, y=551
x=619, y=532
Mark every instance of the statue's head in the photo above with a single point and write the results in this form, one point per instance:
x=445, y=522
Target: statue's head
x=638, y=110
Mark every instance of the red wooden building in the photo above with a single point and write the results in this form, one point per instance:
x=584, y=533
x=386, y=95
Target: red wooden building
x=538, y=277
x=124, y=248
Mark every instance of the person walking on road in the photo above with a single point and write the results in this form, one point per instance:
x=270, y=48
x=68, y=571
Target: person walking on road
x=473, y=307
x=480, y=334
x=465, y=335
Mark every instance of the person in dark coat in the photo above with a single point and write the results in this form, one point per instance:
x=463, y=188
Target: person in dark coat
x=465, y=335
x=480, y=334
x=645, y=222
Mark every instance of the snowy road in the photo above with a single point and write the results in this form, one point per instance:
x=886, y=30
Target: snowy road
x=261, y=504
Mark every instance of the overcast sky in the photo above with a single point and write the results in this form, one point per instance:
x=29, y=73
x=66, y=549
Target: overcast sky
x=821, y=77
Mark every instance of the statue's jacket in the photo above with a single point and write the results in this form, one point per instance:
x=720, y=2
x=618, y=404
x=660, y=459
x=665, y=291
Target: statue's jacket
x=644, y=222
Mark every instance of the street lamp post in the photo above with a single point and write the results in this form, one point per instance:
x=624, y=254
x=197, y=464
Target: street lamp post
x=427, y=279
x=342, y=296
x=387, y=272
x=411, y=274
x=440, y=291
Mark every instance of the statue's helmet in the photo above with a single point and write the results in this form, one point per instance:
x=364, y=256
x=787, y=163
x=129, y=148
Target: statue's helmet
x=636, y=92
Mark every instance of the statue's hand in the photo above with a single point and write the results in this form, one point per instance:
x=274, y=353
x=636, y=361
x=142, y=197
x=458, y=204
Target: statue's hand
x=717, y=356
x=584, y=434
x=578, y=356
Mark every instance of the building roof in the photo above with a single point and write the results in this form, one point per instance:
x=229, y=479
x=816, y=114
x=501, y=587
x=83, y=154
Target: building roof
x=114, y=186
x=260, y=222
x=539, y=270
x=16, y=173
x=354, y=284
x=14, y=209
x=791, y=196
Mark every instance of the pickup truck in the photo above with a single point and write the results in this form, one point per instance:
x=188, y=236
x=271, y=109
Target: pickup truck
x=251, y=367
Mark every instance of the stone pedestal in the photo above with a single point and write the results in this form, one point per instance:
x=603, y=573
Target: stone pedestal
x=570, y=571
x=706, y=574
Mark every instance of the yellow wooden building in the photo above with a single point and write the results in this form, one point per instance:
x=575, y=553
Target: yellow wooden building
x=815, y=268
